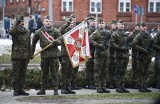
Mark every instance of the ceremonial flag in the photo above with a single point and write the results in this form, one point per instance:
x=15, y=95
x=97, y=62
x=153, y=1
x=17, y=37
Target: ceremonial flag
x=77, y=44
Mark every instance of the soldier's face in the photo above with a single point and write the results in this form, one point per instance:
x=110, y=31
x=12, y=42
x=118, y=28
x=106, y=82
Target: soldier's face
x=113, y=26
x=47, y=22
x=158, y=29
x=137, y=28
x=120, y=26
x=142, y=28
x=101, y=25
x=72, y=24
x=93, y=22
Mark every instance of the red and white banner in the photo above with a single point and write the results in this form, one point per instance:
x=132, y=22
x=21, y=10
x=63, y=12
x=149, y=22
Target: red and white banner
x=77, y=44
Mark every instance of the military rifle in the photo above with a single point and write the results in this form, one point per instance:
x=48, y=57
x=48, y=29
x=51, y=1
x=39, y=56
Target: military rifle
x=105, y=44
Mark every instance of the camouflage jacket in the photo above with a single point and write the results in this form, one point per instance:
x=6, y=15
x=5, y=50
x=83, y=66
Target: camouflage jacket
x=63, y=48
x=156, y=44
x=21, y=42
x=111, y=48
x=118, y=41
x=141, y=43
x=100, y=40
x=53, y=50
x=91, y=29
x=135, y=33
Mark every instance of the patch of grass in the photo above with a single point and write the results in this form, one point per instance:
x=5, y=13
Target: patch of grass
x=151, y=95
x=6, y=59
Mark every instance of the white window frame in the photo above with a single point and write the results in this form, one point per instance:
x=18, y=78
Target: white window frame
x=67, y=6
x=124, y=5
x=95, y=9
x=11, y=1
x=154, y=5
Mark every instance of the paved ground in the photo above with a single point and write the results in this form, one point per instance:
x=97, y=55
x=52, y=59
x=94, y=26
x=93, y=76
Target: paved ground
x=8, y=98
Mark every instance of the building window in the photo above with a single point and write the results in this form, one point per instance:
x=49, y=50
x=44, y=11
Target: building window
x=124, y=6
x=67, y=5
x=24, y=0
x=11, y=1
x=17, y=1
x=158, y=7
x=96, y=6
x=154, y=6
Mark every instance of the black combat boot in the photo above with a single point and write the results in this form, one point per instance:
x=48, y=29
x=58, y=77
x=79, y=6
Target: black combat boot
x=91, y=87
x=16, y=92
x=119, y=90
x=99, y=90
x=70, y=91
x=22, y=92
x=124, y=89
x=41, y=92
x=105, y=90
x=147, y=90
x=141, y=89
x=64, y=91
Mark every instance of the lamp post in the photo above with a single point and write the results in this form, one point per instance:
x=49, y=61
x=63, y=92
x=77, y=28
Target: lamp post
x=50, y=9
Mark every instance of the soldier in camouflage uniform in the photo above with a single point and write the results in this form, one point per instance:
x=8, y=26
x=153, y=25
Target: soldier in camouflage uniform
x=136, y=31
x=111, y=68
x=119, y=42
x=141, y=43
x=156, y=46
x=100, y=39
x=20, y=55
x=49, y=57
x=67, y=67
x=90, y=63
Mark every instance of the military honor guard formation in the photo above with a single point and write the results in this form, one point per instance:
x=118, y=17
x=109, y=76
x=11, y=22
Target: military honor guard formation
x=105, y=69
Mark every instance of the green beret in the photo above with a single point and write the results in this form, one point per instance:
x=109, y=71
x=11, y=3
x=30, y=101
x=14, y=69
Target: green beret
x=72, y=15
x=20, y=18
x=120, y=21
x=47, y=17
x=143, y=24
x=137, y=24
x=100, y=20
x=113, y=22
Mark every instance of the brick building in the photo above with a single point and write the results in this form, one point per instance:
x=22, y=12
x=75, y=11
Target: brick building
x=24, y=7
x=106, y=9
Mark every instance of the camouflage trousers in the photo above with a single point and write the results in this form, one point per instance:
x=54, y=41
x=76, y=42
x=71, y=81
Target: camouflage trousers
x=49, y=65
x=66, y=72
x=74, y=75
x=101, y=69
x=120, y=70
x=134, y=70
x=19, y=68
x=111, y=70
x=157, y=71
x=90, y=71
x=142, y=69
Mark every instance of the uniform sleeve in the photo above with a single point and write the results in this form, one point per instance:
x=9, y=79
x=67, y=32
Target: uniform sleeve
x=13, y=30
x=135, y=44
x=58, y=37
x=63, y=27
x=155, y=44
x=34, y=42
x=93, y=37
x=113, y=41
